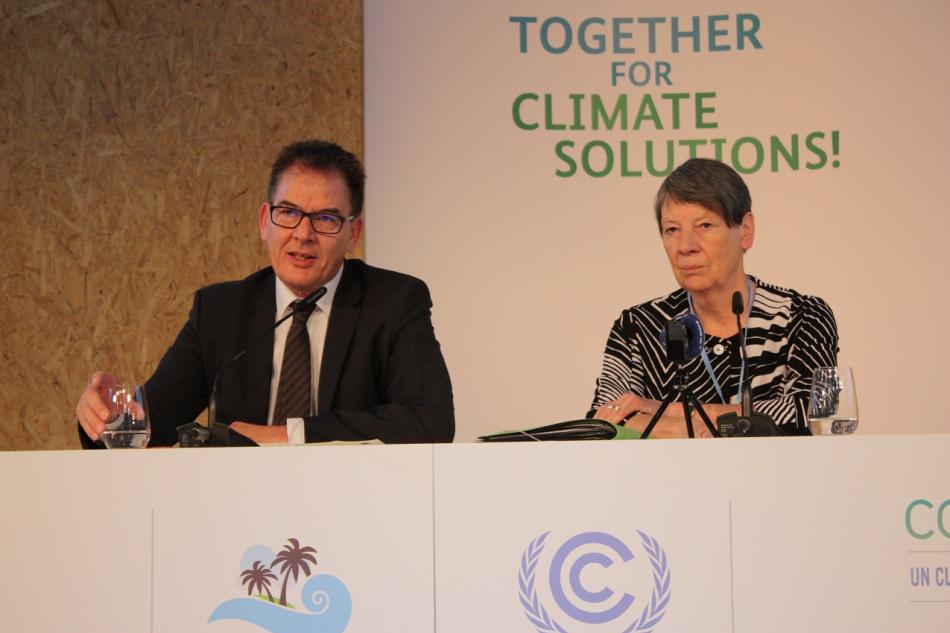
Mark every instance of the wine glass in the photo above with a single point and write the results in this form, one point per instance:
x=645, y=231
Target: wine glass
x=833, y=406
x=129, y=425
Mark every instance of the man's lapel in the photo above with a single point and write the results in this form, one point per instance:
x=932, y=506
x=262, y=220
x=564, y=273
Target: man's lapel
x=336, y=347
x=257, y=364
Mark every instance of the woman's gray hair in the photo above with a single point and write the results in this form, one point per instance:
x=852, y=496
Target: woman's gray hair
x=709, y=183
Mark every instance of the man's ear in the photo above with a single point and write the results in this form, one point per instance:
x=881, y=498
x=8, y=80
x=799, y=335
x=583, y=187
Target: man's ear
x=356, y=229
x=264, y=219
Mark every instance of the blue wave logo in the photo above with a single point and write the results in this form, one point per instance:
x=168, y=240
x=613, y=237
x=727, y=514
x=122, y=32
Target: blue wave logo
x=581, y=603
x=325, y=600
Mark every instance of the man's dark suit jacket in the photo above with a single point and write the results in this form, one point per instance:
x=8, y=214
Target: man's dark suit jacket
x=382, y=375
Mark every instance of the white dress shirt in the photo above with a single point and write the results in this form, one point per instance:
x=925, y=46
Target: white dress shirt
x=317, y=329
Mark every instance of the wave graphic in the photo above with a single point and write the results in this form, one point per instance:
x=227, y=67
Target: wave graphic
x=325, y=596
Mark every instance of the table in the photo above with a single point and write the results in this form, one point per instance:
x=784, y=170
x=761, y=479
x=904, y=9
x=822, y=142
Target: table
x=744, y=535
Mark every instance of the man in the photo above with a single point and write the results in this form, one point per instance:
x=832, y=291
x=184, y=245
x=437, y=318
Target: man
x=365, y=363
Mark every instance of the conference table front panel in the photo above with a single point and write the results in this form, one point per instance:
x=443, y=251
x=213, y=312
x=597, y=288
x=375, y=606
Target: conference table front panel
x=818, y=534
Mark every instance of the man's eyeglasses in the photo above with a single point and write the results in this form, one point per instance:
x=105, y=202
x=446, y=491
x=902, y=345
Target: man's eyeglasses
x=321, y=221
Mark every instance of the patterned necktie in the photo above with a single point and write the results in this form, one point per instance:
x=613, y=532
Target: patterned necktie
x=293, y=392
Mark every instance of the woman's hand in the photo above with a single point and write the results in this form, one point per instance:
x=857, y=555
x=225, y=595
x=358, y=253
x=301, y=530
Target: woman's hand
x=671, y=424
x=627, y=405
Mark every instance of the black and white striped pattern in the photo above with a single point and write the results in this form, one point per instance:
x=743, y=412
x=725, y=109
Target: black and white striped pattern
x=790, y=334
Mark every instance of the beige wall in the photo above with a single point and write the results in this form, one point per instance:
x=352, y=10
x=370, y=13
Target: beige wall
x=542, y=265
x=135, y=141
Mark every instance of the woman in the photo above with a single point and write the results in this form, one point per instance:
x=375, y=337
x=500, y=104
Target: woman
x=704, y=213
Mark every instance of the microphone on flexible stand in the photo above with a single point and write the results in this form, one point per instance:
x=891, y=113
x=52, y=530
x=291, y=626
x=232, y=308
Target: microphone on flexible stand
x=746, y=396
x=747, y=423
x=194, y=434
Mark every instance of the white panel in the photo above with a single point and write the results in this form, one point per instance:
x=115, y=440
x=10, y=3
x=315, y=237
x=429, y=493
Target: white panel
x=785, y=534
x=75, y=542
x=368, y=513
x=156, y=540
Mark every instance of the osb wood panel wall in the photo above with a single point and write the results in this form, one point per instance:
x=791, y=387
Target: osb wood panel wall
x=135, y=143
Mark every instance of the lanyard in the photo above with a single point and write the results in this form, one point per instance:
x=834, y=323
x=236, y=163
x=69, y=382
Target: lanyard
x=745, y=336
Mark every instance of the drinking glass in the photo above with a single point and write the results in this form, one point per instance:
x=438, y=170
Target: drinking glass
x=833, y=407
x=129, y=425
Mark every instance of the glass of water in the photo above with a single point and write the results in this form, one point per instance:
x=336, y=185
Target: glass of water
x=128, y=425
x=833, y=407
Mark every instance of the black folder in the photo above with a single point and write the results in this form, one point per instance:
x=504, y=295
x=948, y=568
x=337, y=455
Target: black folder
x=571, y=430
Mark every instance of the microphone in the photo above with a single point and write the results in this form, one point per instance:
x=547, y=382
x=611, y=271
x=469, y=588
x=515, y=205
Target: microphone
x=747, y=423
x=683, y=337
x=737, y=306
x=307, y=302
x=737, y=309
x=213, y=424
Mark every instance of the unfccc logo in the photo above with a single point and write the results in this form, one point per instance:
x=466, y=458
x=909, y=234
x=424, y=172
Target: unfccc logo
x=576, y=578
x=920, y=518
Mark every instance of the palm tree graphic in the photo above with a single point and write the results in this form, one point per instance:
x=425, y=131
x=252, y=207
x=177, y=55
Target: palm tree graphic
x=258, y=577
x=293, y=559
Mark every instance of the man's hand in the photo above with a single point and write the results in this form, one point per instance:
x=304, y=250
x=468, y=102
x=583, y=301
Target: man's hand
x=261, y=434
x=93, y=408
